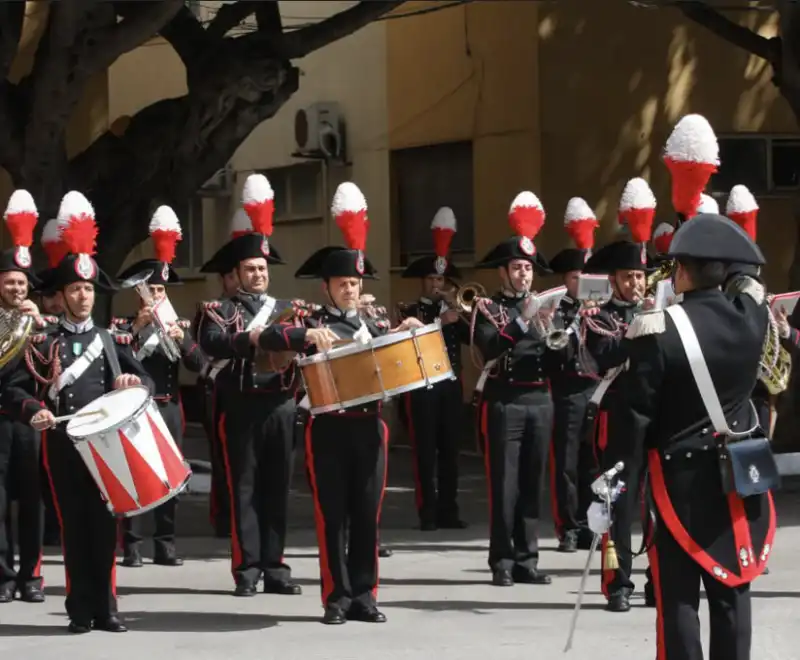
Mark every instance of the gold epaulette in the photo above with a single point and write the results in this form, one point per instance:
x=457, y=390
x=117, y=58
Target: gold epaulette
x=647, y=323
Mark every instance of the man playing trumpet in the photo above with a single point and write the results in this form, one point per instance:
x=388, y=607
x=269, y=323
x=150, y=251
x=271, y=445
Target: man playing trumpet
x=434, y=415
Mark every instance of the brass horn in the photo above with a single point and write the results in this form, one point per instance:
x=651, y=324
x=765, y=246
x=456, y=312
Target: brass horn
x=15, y=328
x=467, y=294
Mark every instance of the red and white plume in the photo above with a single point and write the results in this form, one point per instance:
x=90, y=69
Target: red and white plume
x=526, y=215
x=52, y=243
x=637, y=209
x=165, y=230
x=743, y=209
x=240, y=224
x=349, y=207
x=443, y=228
x=21, y=216
x=258, y=201
x=77, y=224
x=662, y=237
x=692, y=156
x=707, y=205
x=580, y=223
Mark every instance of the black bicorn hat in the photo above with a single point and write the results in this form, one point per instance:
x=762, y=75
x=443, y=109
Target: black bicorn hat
x=21, y=217
x=443, y=228
x=619, y=255
x=349, y=207
x=165, y=232
x=713, y=237
x=526, y=217
x=568, y=260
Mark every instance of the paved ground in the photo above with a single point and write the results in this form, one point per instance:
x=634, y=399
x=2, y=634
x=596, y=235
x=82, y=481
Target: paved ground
x=434, y=591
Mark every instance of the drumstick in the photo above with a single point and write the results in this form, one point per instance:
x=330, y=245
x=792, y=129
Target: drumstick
x=88, y=413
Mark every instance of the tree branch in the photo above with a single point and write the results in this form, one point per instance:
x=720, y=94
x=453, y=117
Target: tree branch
x=229, y=16
x=268, y=18
x=144, y=22
x=308, y=39
x=12, y=16
x=188, y=38
x=733, y=33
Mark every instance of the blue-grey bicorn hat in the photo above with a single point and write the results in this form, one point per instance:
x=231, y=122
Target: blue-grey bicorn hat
x=715, y=238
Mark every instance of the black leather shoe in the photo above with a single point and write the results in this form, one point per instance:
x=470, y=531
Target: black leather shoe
x=132, y=559
x=79, y=627
x=31, y=593
x=110, y=624
x=451, y=523
x=619, y=601
x=168, y=561
x=282, y=587
x=367, y=614
x=502, y=579
x=333, y=616
x=245, y=590
x=7, y=592
x=385, y=552
x=530, y=576
x=569, y=543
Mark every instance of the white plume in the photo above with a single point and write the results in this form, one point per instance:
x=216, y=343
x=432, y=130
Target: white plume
x=662, y=229
x=444, y=219
x=164, y=219
x=525, y=199
x=21, y=201
x=693, y=140
x=740, y=200
x=74, y=204
x=578, y=209
x=637, y=195
x=257, y=190
x=348, y=197
x=707, y=205
x=51, y=233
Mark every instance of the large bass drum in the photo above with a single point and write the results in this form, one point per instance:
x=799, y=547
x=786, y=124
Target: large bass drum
x=360, y=373
x=129, y=451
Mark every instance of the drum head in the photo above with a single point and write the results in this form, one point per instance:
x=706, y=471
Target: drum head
x=118, y=406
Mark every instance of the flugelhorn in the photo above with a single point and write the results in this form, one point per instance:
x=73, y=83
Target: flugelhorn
x=139, y=282
x=463, y=298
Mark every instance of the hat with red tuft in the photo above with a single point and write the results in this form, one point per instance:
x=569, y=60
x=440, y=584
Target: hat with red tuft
x=79, y=232
x=662, y=237
x=637, y=208
x=349, y=207
x=743, y=209
x=692, y=156
x=253, y=241
x=165, y=232
x=20, y=216
x=707, y=205
x=580, y=223
x=526, y=218
x=443, y=229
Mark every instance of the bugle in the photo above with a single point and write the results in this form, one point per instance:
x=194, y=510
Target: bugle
x=168, y=344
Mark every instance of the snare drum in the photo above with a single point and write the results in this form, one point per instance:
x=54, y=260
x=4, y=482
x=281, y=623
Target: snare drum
x=386, y=366
x=129, y=451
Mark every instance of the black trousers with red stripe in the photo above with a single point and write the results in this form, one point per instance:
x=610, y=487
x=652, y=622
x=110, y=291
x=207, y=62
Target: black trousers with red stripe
x=20, y=461
x=88, y=531
x=346, y=465
x=164, y=515
x=676, y=581
x=435, y=429
x=219, y=500
x=519, y=425
x=573, y=463
x=257, y=438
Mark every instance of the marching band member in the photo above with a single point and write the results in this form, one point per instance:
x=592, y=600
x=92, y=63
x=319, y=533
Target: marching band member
x=257, y=425
x=571, y=458
x=346, y=450
x=703, y=533
x=626, y=263
x=434, y=416
x=165, y=232
x=517, y=411
x=19, y=443
x=65, y=368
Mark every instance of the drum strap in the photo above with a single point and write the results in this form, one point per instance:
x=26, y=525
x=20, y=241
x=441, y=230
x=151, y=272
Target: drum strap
x=607, y=381
x=260, y=318
x=149, y=346
x=111, y=353
x=77, y=368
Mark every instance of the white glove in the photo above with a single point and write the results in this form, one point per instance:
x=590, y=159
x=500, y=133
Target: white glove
x=362, y=335
x=530, y=307
x=598, y=518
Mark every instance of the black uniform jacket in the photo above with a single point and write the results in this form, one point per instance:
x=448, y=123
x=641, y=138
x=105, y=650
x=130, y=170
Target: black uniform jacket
x=606, y=350
x=568, y=373
x=223, y=336
x=163, y=372
x=455, y=334
x=27, y=389
x=662, y=410
x=287, y=336
x=522, y=356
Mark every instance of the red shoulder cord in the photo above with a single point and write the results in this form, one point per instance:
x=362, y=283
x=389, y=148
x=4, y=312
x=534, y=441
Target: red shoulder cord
x=498, y=320
x=53, y=360
x=615, y=330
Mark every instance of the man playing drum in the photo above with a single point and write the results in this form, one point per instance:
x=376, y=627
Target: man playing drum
x=257, y=429
x=165, y=232
x=67, y=367
x=345, y=450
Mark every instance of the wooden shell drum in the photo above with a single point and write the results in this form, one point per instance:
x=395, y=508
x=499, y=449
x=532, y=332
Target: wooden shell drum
x=386, y=366
x=129, y=451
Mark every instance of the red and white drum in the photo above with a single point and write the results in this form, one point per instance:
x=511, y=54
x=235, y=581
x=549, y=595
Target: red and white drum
x=129, y=451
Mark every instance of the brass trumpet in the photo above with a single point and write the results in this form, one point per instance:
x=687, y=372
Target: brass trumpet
x=467, y=294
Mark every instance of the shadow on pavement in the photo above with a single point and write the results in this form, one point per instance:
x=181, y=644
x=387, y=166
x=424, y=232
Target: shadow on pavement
x=476, y=606
x=214, y=622
x=23, y=630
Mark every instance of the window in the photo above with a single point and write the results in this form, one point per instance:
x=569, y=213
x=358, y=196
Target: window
x=298, y=191
x=765, y=164
x=189, y=251
x=423, y=180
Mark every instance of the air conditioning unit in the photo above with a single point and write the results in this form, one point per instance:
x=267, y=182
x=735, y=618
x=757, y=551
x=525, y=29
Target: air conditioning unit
x=220, y=184
x=319, y=131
